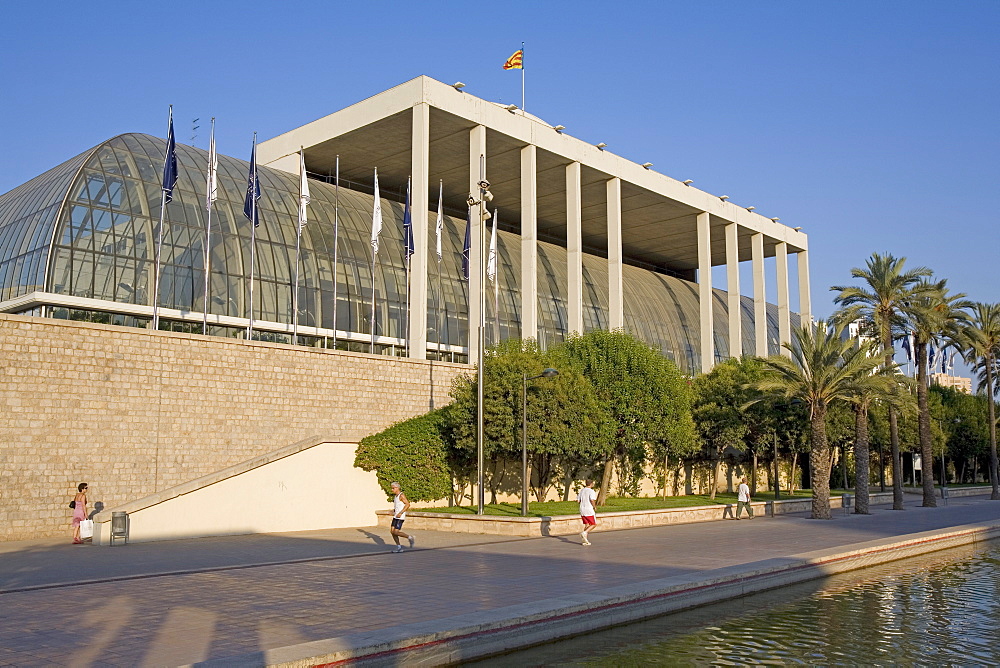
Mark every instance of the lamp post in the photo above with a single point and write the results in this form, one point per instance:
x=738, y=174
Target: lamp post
x=484, y=196
x=548, y=373
x=777, y=482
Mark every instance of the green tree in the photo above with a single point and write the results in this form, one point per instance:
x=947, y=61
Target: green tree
x=728, y=413
x=933, y=315
x=645, y=395
x=568, y=427
x=820, y=370
x=877, y=303
x=983, y=335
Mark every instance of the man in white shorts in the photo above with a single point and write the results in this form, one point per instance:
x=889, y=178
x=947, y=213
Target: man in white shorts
x=587, y=498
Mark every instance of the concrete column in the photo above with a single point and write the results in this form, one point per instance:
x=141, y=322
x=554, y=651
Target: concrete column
x=477, y=148
x=616, y=296
x=574, y=249
x=705, y=292
x=805, y=297
x=529, y=242
x=419, y=205
x=784, y=313
x=733, y=288
x=759, y=297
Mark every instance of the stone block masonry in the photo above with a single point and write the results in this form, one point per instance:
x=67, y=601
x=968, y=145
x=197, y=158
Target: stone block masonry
x=132, y=411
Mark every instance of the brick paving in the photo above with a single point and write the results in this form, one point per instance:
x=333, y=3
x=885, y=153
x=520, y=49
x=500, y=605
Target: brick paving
x=180, y=602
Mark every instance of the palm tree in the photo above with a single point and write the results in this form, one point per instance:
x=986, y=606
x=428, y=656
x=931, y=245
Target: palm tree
x=878, y=386
x=932, y=315
x=821, y=370
x=877, y=304
x=984, y=348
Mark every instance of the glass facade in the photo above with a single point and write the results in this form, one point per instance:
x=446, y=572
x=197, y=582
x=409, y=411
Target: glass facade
x=87, y=229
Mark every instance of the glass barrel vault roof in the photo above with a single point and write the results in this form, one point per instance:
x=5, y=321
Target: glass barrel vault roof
x=87, y=229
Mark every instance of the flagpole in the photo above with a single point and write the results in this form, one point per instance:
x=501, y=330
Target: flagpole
x=496, y=277
x=159, y=244
x=208, y=226
x=298, y=251
x=159, y=231
x=438, y=224
x=376, y=230
x=374, y=258
x=407, y=236
x=522, y=77
x=336, y=231
x=253, y=236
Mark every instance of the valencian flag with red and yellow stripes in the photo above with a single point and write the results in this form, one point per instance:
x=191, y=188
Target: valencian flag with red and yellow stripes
x=515, y=62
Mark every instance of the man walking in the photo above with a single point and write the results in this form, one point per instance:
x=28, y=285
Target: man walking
x=400, y=504
x=587, y=497
x=743, y=499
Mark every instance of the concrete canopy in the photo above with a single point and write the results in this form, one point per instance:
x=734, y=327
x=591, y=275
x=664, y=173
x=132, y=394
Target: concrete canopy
x=658, y=213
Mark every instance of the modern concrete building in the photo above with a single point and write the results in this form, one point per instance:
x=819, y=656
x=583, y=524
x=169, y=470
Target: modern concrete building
x=587, y=239
x=960, y=383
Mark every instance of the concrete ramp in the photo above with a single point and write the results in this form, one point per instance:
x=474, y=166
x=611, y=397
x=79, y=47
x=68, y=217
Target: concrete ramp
x=308, y=485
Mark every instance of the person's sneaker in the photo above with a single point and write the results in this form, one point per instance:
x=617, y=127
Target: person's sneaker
x=399, y=548
x=412, y=541
x=586, y=542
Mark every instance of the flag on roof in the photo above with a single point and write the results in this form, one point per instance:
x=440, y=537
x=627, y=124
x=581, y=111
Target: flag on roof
x=491, y=261
x=407, y=225
x=516, y=61
x=304, y=197
x=439, y=225
x=467, y=247
x=376, y=217
x=212, y=182
x=170, y=162
x=253, y=188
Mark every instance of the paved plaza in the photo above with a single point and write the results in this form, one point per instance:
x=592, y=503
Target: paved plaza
x=181, y=602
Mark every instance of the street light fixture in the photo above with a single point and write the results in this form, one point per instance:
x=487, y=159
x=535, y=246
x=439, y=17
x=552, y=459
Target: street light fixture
x=548, y=373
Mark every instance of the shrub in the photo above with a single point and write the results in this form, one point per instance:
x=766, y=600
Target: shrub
x=411, y=453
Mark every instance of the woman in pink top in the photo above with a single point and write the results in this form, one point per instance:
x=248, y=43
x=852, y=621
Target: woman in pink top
x=79, y=511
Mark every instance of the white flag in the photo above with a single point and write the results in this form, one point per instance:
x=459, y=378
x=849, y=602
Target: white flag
x=376, y=216
x=491, y=262
x=304, y=198
x=439, y=226
x=212, y=184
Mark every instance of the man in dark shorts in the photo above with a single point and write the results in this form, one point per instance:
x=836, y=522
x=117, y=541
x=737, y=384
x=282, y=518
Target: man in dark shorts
x=400, y=504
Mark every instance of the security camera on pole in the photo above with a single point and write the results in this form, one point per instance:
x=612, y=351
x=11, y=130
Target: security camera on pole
x=484, y=196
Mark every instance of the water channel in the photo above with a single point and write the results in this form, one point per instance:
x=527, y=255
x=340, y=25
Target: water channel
x=941, y=609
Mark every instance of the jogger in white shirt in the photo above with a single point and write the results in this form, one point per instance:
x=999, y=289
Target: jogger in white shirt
x=587, y=497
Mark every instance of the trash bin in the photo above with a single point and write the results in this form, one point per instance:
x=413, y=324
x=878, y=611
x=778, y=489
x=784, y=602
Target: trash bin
x=119, y=527
x=846, y=501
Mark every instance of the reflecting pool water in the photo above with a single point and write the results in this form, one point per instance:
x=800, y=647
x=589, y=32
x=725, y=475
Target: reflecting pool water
x=940, y=609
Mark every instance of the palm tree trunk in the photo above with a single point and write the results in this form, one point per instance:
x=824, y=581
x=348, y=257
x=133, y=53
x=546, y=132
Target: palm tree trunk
x=819, y=456
x=994, y=483
x=897, y=464
x=861, y=458
x=924, y=429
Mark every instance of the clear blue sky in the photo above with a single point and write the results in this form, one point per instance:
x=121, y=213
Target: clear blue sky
x=873, y=125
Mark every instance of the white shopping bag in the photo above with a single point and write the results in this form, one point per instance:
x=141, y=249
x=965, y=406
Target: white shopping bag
x=86, y=529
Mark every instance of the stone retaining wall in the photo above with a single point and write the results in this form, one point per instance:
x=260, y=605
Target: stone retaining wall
x=564, y=525
x=133, y=411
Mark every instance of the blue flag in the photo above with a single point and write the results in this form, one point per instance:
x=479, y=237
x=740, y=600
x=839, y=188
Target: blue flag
x=170, y=163
x=407, y=225
x=253, y=189
x=467, y=248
